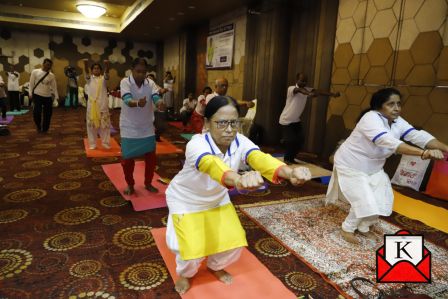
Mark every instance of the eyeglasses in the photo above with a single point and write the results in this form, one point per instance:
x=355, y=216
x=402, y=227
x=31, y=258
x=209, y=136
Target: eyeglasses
x=224, y=124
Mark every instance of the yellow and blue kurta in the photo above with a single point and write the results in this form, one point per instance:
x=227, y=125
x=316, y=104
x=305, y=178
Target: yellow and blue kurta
x=202, y=220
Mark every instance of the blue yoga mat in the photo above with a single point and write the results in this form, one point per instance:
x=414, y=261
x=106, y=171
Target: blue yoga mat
x=17, y=112
x=187, y=136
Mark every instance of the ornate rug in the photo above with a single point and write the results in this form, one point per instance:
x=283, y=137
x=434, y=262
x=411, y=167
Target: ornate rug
x=312, y=231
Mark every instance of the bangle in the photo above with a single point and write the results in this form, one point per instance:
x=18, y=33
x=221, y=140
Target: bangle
x=421, y=156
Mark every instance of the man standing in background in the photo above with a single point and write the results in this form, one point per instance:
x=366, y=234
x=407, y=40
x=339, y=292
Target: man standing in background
x=13, y=89
x=42, y=86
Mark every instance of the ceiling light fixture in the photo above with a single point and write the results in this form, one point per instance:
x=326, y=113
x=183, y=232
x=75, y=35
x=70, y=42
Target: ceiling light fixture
x=91, y=10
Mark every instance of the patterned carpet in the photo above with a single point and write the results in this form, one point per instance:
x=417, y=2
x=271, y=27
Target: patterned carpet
x=66, y=232
x=312, y=230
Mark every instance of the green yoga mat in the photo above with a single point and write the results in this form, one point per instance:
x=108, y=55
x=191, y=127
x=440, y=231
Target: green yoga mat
x=17, y=112
x=187, y=136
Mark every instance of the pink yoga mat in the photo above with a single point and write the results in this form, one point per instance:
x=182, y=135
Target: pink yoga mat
x=142, y=199
x=7, y=120
x=251, y=279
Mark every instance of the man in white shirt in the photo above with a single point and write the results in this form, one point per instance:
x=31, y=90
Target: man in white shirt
x=187, y=109
x=42, y=86
x=290, y=118
x=13, y=89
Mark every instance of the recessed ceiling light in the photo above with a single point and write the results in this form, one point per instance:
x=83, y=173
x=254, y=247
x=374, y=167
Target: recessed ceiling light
x=157, y=27
x=91, y=10
x=180, y=13
x=171, y=19
x=20, y=4
x=191, y=7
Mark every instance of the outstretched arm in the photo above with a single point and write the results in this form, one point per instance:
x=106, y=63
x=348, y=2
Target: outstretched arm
x=436, y=144
x=318, y=92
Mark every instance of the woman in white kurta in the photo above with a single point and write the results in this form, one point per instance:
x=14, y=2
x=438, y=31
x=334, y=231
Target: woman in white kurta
x=202, y=221
x=358, y=173
x=98, y=118
x=139, y=96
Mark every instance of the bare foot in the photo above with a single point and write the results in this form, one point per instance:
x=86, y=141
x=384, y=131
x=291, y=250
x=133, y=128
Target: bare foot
x=349, y=237
x=152, y=189
x=223, y=276
x=369, y=235
x=129, y=190
x=182, y=285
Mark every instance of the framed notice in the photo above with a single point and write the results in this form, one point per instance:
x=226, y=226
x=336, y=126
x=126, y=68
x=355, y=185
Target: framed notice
x=220, y=47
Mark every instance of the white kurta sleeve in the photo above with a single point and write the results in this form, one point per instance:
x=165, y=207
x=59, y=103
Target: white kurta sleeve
x=372, y=127
x=414, y=136
x=125, y=90
x=196, y=149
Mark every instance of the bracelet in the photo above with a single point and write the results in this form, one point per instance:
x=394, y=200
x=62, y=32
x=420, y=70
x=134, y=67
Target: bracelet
x=421, y=156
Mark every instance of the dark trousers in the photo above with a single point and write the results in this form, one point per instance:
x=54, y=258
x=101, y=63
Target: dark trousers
x=3, y=106
x=185, y=117
x=45, y=104
x=150, y=167
x=73, y=94
x=292, y=140
x=14, y=100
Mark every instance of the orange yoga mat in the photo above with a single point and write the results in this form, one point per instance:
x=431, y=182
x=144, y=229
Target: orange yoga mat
x=251, y=279
x=100, y=151
x=165, y=147
x=142, y=199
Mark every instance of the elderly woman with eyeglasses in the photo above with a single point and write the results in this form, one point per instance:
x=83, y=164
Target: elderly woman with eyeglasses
x=202, y=221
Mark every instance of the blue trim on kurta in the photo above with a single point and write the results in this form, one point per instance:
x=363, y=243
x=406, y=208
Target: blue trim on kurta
x=237, y=141
x=378, y=136
x=198, y=160
x=137, y=147
x=406, y=133
x=211, y=147
x=155, y=98
x=249, y=151
x=127, y=97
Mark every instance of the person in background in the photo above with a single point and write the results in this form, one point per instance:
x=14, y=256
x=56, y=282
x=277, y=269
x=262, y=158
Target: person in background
x=358, y=174
x=3, y=97
x=72, y=86
x=159, y=116
x=202, y=221
x=187, y=109
x=290, y=122
x=197, y=117
x=13, y=89
x=137, y=123
x=168, y=96
x=42, y=87
x=97, y=118
x=221, y=87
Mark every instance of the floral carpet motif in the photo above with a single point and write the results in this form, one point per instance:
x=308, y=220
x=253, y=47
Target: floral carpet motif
x=312, y=230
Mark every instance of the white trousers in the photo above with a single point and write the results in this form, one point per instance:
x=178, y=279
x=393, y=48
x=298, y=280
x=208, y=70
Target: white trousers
x=92, y=134
x=351, y=223
x=189, y=268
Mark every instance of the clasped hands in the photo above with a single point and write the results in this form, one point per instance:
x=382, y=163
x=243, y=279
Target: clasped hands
x=252, y=180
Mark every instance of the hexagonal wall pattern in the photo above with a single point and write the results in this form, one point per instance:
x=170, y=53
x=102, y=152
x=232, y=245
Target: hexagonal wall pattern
x=438, y=99
x=434, y=125
x=411, y=8
x=347, y=8
x=343, y=55
x=379, y=52
x=351, y=115
x=404, y=64
x=431, y=15
x=355, y=94
x=383, y=23
x=426, y=47
x=421, y=75
x=409, y=34
x=417, y=110
x=359, y=16
x=345, y=30
x=384, y=4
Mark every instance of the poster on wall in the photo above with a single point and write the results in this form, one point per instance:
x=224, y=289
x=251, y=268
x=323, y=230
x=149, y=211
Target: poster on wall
x=220, y=47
